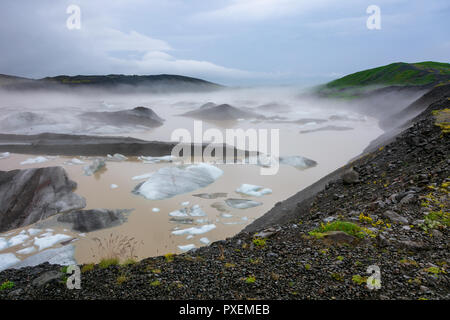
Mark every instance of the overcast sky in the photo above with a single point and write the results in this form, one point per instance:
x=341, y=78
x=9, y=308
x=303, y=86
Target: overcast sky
x=234, y=42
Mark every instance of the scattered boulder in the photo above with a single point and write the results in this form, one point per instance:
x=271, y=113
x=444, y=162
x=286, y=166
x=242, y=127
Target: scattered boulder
x=395, y=217
x=47, y=277
x=31, y=195
x=338, y=237
x=350, y=176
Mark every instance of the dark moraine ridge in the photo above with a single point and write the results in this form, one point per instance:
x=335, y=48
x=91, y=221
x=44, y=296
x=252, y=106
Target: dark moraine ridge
x=397, y=194
x=84, y=145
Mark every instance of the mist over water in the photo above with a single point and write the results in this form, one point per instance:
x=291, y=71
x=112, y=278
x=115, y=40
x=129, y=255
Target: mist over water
x=330, y=133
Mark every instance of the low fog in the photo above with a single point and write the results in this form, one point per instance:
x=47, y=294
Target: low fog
x=82, y=111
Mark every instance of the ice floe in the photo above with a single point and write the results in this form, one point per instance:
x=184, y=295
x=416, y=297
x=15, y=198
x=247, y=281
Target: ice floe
x=113, y=186
x=242, y=203
x=116, y=157
x=4, y=155
x=298, y=162
x=28, y=250
x=156, y=210
x=74, y=161
x=142, y=177
x=16, y=240
x=196, y=211
x=204, y=240
x=171, y=181
x=195, y=230
x=7, y=260
x=3, y=244
x=168, y=158
x=33, y=231
x=210, y=195
x=186, y=247
x=34, y=160
x=252, y=190
x=49, y=241
x=95, y=166
x=185, y=204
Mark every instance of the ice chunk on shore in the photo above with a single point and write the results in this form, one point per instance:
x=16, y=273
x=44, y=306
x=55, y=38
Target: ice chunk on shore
x=96, y=165
x=186, y=247
x=168, y=158
x=171, y=181
x=46, y=242
x=4, y=155
x=34, y=160
x=242, y=203
x=204, y=240
x=7, y=260
x=62, y=256
x=252, y=190
x=195, y=230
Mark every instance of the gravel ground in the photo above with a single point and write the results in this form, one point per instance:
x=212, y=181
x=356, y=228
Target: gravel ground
x=397, y=195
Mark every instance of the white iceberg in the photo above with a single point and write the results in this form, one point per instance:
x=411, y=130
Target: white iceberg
x=156, y=210
x=7, y=260
x=204, y=240
x=252, y=190
x=168, y=182
x=49, y=241
x=195, y=230
x=179, y=213
x=95, y=166
x=185, y=204
x=186, y=247
x=4, y=155
x=113, y=186
x=34, y=160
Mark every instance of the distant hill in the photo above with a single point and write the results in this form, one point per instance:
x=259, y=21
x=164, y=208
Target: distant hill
x=153, y=83
x=422, y=75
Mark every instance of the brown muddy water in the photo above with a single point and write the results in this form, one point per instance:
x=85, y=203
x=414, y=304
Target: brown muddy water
x=153, y=230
